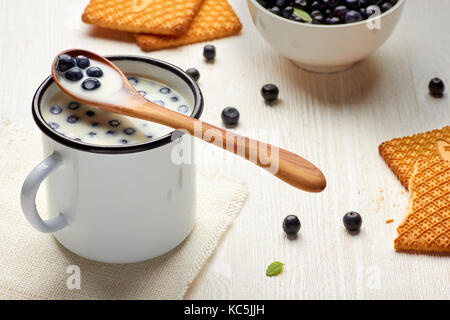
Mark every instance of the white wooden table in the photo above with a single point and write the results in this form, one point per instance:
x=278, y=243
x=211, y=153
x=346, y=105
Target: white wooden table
x=337, y=121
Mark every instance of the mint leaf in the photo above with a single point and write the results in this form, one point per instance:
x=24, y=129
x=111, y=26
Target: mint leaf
x=274, y=269
x=302, y=14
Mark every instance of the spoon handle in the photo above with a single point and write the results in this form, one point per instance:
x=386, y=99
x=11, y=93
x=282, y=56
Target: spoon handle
x=284, y=164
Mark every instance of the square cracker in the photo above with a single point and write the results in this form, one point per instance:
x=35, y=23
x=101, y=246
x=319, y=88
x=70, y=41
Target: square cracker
x=401, y=154
x=215, y=19
x=427, y=224
x=168, y=17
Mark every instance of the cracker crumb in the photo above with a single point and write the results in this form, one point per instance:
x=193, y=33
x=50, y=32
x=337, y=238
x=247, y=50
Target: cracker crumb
x=389, y=220
x=379, y=200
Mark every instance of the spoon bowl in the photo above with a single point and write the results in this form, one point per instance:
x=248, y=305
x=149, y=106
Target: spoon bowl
x=119, y=96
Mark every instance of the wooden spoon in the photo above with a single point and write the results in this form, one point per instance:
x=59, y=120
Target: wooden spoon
x=122, y=98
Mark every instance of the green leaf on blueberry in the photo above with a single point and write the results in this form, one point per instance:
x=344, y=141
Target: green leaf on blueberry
x=274, y=269
x=302, y=14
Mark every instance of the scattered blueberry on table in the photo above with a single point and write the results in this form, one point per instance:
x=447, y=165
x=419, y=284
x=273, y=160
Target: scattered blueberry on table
x=436, y=87
x=352, y=221
x=291, y=225
x=230, y=116
x=90, y=84
x=329, y=12
x=209, y=52
x=269, y=92
x=95, y=72
x=193, y=73
x=82, y=62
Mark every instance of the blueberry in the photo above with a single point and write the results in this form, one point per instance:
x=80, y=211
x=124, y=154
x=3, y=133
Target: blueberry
x=334, y=20
x=386, y=6
x=142, y=93
x=331, y=3
x=436, y=87
x=302, y=4
x=65, y=62
x=111, y=133
x=53, y=125
x=159, y=102
x=193, y=73
x=90, y=84
x=352, y=4
x=174, y=99
x=149, y=137
x=315, y=5
x=123, y=141
x=82, y=62
x=92, y=134
x=317, y=16
x=209, y=52
x=275, y=10
x=291, y=225
x=72, y=119
x=230, y=116
x=165, y=90
x=55, y=110
x=74, y=74
x=287, y=11
x=77, y=139
x=281, y=3
x=73, y=105
x=353, y=16
x=269, y=92
x=352, y=221
x=183, y=108
x=129, y=131
x=95, y=124
x=114, y=123
x=340, y=12
x=95, y=72
x=90, y=113
x=133, y=80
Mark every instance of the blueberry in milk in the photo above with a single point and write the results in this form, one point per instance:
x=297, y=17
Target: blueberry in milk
x=95, y=72
x=82, y=62
x=55, y=109
x=91, y=84
x=73, y=105
x=74, y=74
x=114, y=123
x=133, y=80
x=84, y=123
x=65, y=62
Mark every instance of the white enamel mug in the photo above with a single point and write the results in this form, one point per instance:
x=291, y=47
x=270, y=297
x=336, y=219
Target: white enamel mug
x=116, y=204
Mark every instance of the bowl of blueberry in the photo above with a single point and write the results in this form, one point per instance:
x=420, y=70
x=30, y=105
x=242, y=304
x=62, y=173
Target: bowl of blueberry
x=325, y=35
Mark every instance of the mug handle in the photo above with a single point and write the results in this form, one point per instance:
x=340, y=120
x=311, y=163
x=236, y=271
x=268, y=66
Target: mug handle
x=28, y=196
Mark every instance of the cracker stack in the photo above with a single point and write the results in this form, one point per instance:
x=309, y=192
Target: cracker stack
x=402, y=154
x=427, y=224
x=422, y=163
x=159, y=24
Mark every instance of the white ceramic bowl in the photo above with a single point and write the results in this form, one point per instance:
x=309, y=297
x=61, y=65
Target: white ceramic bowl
x=324, y=48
